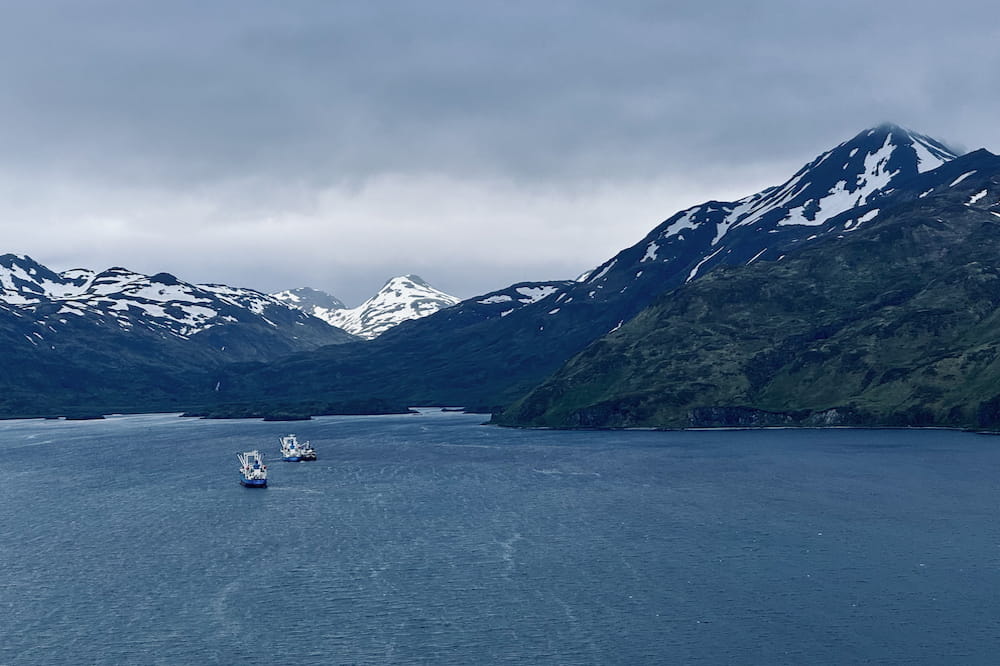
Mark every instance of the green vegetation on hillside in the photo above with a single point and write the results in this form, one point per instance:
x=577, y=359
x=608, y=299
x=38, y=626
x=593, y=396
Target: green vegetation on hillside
x=892, y=325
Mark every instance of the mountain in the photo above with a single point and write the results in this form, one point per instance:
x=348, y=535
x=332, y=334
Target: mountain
x=310, y=300
x=458, y=355
x=126, y=340
x=890, y=320
x=489, y=350
x=821, y=199
x=84, y=340
x=400, y=299
x=160, y=303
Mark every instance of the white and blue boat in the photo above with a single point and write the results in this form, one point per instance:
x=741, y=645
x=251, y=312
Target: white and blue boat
x=253, y=471
x=306, y=452
x=291, y=450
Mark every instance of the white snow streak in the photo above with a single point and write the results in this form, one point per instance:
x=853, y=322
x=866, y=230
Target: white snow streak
x=694, y=271
x=870, y=215
x=926, y=160
x=961, y=178
x=604, y=271
x=977, y=197
x=854, y=225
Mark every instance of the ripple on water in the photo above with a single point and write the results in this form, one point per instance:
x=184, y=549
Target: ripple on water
x=431, y=539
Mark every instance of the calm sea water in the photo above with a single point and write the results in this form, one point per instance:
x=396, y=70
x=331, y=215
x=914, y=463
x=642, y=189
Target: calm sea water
x=430, y=539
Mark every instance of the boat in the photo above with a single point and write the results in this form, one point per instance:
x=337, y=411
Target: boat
x=253, y=471
x=306, y=452
x=290, y=448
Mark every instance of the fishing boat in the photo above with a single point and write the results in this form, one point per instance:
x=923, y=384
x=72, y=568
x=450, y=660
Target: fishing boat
x=253, y=471
x=306, y=452
x=290, y=448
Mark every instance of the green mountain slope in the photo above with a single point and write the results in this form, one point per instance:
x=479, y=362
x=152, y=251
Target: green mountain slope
x=895, y=324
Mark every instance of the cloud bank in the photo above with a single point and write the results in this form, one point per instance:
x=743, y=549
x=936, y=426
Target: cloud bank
x=334, y=145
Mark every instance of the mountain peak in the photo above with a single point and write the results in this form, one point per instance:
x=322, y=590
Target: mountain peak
x=22, y=263
x=401, y=298
x=23, y=280
x=403, y=282
x=9, y=259
x=928, y=152
x=309, y=299
x=834, y=193
x=847, y=176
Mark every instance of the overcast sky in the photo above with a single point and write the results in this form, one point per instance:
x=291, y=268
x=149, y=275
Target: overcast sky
x=336, y=144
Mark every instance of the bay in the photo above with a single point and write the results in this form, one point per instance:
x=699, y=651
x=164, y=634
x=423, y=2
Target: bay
x=432, y=539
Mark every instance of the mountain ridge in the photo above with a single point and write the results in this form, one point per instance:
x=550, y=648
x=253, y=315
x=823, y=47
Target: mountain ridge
x=400, y=299
x=481, y=352
x=893, y=325
x=492, y=350
x=160, y=301
x=85, y=340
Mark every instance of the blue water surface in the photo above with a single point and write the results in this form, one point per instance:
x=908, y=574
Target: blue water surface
x=430, y=539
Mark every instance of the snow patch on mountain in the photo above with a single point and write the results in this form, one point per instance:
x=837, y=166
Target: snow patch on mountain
x=694, y=271
x=308, y=299
x=854, y=225
x=961, y=178
x=498, y=298
x=976, y=197
x=603, y=271
x=842, y=197
x=651, y=251
x=929, y=157
x=686, y=221
x=535, y=294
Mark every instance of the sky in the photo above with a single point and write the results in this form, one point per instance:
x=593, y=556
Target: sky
x=334, y=145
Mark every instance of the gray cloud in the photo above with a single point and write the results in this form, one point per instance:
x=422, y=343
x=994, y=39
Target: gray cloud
x=140, y=122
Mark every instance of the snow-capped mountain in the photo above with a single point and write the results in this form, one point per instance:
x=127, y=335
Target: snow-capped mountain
x=159, y=303
x=86, y=342
x=310, y=300
x=888, y=319
x=401, y=299
x=830, y=195
x=836, y=193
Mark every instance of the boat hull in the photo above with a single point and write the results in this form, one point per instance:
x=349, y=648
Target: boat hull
x=291, y=458
x=253, y=483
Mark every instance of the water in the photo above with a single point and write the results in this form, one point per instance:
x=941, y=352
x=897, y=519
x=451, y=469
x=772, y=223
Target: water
x=431, y=540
